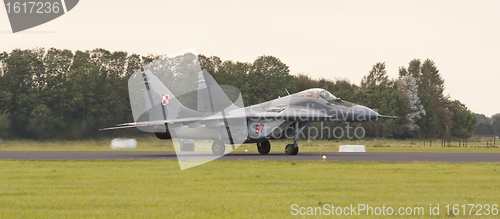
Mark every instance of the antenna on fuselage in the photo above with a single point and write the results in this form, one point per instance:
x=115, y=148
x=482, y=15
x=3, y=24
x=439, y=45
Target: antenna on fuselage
x=287, y=92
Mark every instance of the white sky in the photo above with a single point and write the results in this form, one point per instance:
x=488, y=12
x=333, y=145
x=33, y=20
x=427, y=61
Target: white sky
x=330, y=39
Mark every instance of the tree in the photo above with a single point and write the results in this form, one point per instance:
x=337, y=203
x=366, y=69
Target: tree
x=23, y=78
x=431, y=86
x=407, y=87
x=4, y=124
x=376, y=76
x=5, y=98
x=236, y=75
x=483, y=118
x=57, y=63
x=69, y=95
x=427, y=124
x=484, y=129
x=212, y=64
x=269, y=77
x=304, y=82
x=430, y=81
x=379, y=93
x=396, y=106
x=229, y=73
x=496, y=124
x=464, y=121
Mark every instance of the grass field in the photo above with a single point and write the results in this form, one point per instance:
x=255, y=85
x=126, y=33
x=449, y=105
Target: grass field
x=476, y=145
x=235, y=189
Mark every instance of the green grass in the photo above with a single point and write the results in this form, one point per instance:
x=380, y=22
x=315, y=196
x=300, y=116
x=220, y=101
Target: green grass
x=391, y=145
x=143, y=144
x=234, y=189
x=153, y=144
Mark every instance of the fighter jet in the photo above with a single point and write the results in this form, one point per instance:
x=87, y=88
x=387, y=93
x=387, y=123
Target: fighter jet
x=217, y=118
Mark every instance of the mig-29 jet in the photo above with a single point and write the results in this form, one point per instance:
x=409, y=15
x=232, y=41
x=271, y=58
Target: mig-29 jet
x=217, y=118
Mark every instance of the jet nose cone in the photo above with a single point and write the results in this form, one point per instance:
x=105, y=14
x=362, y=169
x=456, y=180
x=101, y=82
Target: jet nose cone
x=373, y=115
x=365, y=114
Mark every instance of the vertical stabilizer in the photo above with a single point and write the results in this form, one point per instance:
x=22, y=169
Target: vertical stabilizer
x=211, y=97
x=161, y=104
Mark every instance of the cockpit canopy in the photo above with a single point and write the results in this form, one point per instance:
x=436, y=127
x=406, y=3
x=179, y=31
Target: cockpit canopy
x=317, y=93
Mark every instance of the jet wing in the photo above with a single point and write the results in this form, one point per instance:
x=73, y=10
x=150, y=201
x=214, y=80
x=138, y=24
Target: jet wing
x=217, y=120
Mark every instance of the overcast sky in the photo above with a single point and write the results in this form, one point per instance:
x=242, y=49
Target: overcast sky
x=330, y=39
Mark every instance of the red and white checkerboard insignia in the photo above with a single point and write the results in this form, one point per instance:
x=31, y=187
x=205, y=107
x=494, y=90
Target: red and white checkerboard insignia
x=165, y=100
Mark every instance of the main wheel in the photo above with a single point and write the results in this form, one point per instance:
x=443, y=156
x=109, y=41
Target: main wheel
x=290, y=149
x=295, y=150
x=264, y=147
x=218, y=147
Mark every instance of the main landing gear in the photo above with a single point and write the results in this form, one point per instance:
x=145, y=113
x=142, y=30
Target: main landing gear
x=264, y=147
x=218, y=148
x=290, y=149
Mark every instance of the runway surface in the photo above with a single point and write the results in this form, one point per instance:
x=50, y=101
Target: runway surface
x=273, y=156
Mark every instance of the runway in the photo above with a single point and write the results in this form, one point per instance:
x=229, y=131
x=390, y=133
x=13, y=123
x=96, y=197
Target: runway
x=273, y=156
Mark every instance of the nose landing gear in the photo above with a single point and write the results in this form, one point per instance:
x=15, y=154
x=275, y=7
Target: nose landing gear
x=290, y=149
x=293, y=149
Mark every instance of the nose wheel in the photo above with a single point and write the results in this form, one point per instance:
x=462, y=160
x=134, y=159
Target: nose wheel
x=293, y=149
x=290, y=149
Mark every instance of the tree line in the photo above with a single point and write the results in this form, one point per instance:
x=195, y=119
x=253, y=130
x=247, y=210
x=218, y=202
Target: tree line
x=60, y=94
x=487, y=126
